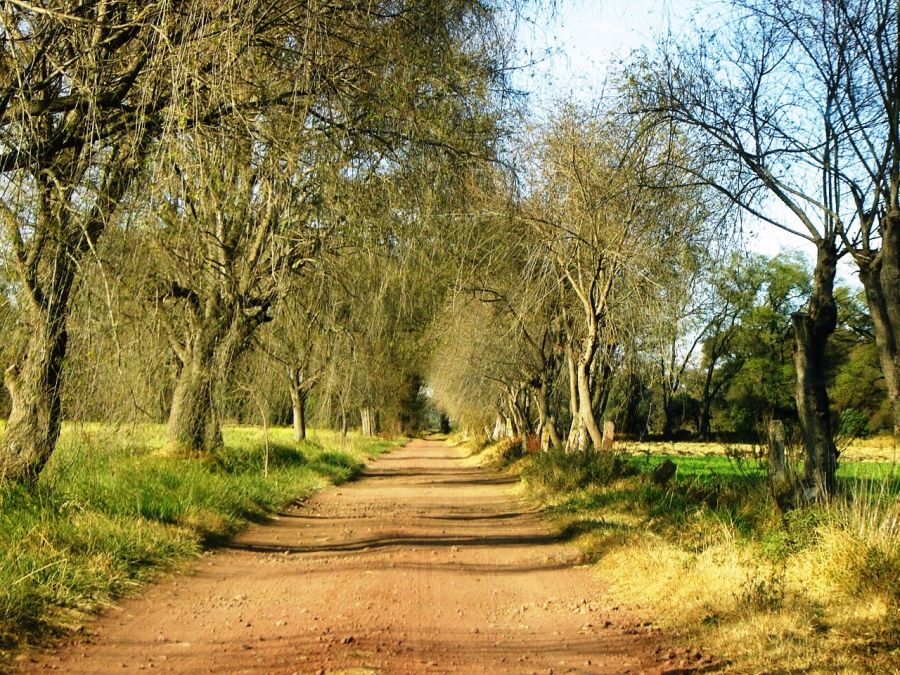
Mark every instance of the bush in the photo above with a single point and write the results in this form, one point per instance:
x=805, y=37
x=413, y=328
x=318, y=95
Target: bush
x=509, y=450
x=557, y=470
x=853, y=424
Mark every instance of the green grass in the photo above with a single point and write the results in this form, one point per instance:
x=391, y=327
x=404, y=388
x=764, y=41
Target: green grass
x=110, y=509
x=711, y=554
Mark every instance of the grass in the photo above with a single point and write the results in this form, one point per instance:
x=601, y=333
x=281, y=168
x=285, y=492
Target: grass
x=813, y=590
x=111, y=509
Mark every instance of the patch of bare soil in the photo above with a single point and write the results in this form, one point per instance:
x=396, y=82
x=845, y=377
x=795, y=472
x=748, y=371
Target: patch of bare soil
x=424, y=565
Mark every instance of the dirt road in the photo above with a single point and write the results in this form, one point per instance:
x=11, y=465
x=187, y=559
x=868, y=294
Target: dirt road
x=423, y=566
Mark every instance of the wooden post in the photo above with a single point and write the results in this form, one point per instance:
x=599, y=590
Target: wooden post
x=609, y=435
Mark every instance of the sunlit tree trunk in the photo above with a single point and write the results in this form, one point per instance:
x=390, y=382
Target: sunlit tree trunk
x=880, y=277
x=811, y=332
x=34, y=381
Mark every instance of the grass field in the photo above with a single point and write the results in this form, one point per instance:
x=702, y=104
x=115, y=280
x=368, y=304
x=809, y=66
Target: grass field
x=112, y=509
x=709, y=556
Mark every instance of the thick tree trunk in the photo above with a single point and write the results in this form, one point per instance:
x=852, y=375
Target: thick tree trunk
x=547, y=422
x=34, y=382
x=811, y=332
x=193, y=426
x=880, y=278
x=298, y=407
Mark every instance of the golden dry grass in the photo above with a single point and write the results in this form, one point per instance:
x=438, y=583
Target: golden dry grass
x=880, y=448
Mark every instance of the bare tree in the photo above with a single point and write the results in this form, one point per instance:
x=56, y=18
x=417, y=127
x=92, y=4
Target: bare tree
x=766, y=130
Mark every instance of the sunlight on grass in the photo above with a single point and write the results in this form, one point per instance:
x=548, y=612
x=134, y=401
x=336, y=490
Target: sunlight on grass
x=109, y=510
x=813, y=590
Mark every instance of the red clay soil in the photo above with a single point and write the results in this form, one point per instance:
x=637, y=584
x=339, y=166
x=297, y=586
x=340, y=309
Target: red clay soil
x=424, y=565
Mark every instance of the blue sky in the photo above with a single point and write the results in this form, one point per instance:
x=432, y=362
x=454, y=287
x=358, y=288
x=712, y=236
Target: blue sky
x=579, y=43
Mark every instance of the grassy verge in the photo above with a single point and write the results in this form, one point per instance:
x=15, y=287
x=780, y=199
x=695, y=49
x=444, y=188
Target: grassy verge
x=815, y=590
x=110, y=510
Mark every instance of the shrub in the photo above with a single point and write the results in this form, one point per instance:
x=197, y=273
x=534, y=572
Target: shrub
x=853, y=424
x=557, y=470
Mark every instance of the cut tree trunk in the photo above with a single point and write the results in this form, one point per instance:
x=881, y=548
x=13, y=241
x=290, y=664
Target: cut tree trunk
x=811, y=332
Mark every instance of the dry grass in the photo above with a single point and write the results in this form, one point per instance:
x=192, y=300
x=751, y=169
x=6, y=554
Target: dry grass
x=815, y=591
x=873, y=449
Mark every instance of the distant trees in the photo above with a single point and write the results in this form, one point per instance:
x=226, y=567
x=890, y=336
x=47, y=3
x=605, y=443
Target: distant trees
x=599, y=242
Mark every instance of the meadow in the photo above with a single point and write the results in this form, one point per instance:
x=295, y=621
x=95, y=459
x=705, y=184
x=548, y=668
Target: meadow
x=112, y=509
x=710, y=557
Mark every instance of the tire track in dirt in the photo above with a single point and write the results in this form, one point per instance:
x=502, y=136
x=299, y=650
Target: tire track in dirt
x=425, y=565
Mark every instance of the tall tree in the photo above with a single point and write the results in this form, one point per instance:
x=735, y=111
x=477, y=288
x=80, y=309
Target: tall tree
x=84, y=90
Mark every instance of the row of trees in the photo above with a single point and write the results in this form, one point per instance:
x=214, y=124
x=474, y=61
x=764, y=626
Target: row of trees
x=225, y=210
x=787, y=112
x=175, y=175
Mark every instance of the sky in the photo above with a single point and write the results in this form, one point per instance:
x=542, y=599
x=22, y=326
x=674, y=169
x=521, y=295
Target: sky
x=576, y=47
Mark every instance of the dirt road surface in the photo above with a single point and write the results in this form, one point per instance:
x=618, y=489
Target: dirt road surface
x=425, y=565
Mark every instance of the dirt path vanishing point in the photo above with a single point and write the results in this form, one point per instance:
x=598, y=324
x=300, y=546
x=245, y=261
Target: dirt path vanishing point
x=424, y=565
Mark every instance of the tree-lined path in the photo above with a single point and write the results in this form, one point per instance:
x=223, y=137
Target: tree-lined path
x=425, y=565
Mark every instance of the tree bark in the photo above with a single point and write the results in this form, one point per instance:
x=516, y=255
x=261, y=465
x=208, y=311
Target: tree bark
x=811, y=332
x=546, y=419
x=369, y=419
x=880, y=277
x=299, y=391
x=34, y=382
x=703, y=426
x=193, y=426
x=577, y=438
x=584, y=400
x=298, y=406
x=216, y=340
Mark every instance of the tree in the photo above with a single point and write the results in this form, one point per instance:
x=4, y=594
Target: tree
x=767, y=132
x=600, y=214
x=85, y=88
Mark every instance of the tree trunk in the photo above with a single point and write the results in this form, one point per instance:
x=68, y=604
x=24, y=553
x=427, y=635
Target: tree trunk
x=298, y=407
x=811, y=332
x=586, y=410
x=299, y=392
x=703, y=426
x=577, y=438
x=880, y=277
x=34, y=382
x=193, y=426
x=547, y=422
x=369, y=421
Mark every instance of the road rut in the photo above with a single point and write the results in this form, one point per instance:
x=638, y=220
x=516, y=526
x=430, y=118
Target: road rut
x=424, y=565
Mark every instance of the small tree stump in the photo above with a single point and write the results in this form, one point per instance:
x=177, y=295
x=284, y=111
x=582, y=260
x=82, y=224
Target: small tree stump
x=609, y=436
x=664, y=472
